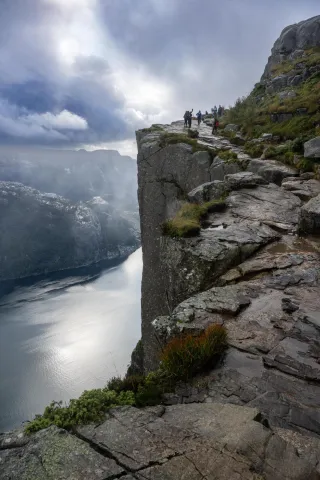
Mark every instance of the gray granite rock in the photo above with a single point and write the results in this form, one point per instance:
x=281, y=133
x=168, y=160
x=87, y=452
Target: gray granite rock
x=231, y=127
x=272, y=170
x=201, y=441
x=243, y=180
x=312, y=148
x=207, y=191
x=55, y=454
x=266, y=203
x=309, y=221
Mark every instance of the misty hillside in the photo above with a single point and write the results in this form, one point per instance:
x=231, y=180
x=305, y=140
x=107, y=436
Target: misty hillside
x=63, y=209
x=76, y=175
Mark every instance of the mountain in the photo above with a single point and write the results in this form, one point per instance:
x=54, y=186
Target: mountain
x=76, y=175
x=285, y=105
x=65, y=209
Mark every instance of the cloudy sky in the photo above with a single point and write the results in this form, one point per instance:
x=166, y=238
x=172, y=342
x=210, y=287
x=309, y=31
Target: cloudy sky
x=89, y=72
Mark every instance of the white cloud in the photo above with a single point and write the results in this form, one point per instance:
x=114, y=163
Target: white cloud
x=64, y=120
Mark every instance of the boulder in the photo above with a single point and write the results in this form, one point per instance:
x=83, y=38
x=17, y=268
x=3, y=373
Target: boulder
x=309, y=221
x=312, y=148
x=287, y=94
x=272, y=170
x=219, y=168
x=231, y=127
x=238, y=139
x=207, y=191
x=244, y=180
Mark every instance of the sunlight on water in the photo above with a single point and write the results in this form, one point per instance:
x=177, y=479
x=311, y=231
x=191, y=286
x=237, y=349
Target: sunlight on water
x=56, y=342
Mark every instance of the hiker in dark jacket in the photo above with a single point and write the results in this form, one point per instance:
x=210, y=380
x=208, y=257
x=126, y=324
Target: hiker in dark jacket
x=190, y=119
x=186, y=118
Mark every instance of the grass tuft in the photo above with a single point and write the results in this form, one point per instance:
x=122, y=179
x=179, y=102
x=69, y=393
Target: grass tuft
x=188, y=355
x=187, y=221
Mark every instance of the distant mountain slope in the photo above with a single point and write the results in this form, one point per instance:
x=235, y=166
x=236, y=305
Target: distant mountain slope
x=44, y=232
x=77, y=175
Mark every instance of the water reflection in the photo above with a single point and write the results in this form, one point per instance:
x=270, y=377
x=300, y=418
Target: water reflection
x=59, y=337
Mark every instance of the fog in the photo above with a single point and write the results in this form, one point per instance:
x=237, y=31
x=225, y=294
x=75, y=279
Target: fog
x=76, y=175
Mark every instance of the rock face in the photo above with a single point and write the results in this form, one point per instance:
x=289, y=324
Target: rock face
x=248, y=270
x=43, y=232
x=174, y=270
x=312, y=148
x=310, y=216
x=291, y=44
x=193, y=442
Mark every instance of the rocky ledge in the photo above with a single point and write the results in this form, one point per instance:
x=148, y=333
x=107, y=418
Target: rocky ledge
x=193, y=442
x=254, y=268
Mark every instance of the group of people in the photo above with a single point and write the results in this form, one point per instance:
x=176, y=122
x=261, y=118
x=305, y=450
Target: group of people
x=216, y=112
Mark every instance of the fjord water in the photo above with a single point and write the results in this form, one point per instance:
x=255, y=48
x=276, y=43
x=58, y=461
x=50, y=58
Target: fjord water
x=65, y=333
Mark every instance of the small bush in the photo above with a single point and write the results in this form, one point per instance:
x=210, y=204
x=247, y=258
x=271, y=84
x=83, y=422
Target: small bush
x=228, y=155
x=187, y=355
x=179, y=227
x=187, y=221
x=193, y=133
x=130, y=383
x=270, y=152
x=90, y=407
x=255, y=150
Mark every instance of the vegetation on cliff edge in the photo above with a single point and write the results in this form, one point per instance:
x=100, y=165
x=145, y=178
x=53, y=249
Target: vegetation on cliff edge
x=181, y=359
x=187, y=221
x=292, y=115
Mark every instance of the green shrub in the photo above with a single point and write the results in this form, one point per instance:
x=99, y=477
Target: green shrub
x=90, y=407
x=270, y=152
x=255, y=150
x=298, y=144
x=130, y=383
x=193, y=133
x=187, y=355
x=187, y=221
x=179, y=227
x=227, y=155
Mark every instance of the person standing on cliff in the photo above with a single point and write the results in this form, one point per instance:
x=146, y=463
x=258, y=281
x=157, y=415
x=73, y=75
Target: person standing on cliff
x=199, y=117
x=186, y=118
x=215, y=126
x=190, y=118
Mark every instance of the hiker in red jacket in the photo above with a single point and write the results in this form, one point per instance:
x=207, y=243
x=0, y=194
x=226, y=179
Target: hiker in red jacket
x=215, y=126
